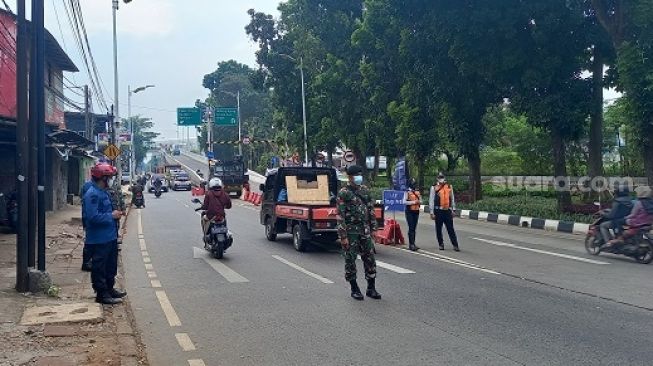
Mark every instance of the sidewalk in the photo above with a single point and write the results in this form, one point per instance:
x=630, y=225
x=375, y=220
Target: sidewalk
x=67, y=327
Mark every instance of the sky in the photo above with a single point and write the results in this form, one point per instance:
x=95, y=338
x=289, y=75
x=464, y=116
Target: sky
x=169, y=43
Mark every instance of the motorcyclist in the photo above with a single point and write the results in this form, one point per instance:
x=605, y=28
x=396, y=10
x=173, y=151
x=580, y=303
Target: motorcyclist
x=157, y=183
x=215, y=203
x=136, y=189
x=640, y=216
x=615, y=218
x=199, y=173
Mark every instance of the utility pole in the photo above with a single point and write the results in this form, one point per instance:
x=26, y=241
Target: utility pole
x=22, y=149
x=87, y=114
x=301, y=72
x=38, y=28
x=116, y=93
x=240, y=137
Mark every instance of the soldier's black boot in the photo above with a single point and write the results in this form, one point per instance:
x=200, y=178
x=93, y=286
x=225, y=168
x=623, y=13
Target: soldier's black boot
x=356, y=291
x=117, y=294
x=371, y=289
x=107, y=299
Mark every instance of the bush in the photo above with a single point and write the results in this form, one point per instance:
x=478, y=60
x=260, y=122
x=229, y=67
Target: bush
x=527, y=205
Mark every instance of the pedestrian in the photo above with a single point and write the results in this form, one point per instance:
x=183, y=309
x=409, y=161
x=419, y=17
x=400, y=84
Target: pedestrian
x=355, y=226
x=413, y=206
x=118, y=203
x=442, y=206
x=102, y=234
x=86, y=252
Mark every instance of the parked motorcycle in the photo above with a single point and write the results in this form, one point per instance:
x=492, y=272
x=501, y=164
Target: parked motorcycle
x=219, y=238
x=638, y=246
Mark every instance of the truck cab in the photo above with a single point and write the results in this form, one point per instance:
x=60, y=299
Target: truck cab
x=232, y=173
x=302, y=201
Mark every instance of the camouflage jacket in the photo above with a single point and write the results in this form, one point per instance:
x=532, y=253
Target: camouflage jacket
x=356, y=211
x=117, y=198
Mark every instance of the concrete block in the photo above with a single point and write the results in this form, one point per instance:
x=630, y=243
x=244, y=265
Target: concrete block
x=65, y=313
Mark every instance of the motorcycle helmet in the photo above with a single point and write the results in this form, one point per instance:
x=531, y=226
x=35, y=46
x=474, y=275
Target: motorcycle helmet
x=215, y=183
x=101, y=170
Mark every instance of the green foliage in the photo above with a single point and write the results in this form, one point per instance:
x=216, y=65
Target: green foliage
x=524, y=205
x=143, y=138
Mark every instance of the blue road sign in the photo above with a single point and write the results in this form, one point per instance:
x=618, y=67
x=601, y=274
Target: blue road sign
x=394, y=200
x=210, y=155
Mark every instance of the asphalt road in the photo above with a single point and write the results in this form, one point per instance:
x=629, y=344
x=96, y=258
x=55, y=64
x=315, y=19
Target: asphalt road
x=512, y=297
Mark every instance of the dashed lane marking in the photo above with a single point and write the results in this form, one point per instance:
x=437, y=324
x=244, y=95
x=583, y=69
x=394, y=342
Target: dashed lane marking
x=196, y=363
x=140, y=223
x=393, y=268
x=149, y=266
x=141, y=244
x=156, y=283
x=226, y=272
x=449, y=260
x=144, y=253
x=147, y=260
x=184, y=342
x=151, y=274
x=539, y=251
x=302, y=270
x=167, y=308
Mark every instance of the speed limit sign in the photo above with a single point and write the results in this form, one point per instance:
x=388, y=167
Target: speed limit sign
x=349, y=156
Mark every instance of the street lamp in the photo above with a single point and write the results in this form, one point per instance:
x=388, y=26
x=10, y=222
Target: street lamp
x=132, y=157
x=240, y=139
x=301, y=72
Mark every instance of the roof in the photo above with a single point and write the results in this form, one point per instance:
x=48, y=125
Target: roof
x=53, y=50
x=69, y=139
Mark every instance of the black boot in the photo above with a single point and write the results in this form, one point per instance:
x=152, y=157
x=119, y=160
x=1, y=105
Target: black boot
x=371, y=289
x=117, y=294
x=356, y=291
x=411, y=241
x=107, y=299
x=86, y=267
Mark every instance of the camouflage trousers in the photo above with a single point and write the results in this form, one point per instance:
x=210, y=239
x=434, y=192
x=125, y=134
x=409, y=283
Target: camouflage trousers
x=364, y=246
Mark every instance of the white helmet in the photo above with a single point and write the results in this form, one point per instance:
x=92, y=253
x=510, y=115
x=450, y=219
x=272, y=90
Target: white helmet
x=215, y=182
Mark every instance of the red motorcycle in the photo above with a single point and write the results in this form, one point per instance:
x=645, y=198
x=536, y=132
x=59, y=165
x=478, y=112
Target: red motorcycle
x=637, y=243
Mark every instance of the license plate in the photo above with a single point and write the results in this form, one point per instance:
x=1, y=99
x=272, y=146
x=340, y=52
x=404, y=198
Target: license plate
x=219, y=230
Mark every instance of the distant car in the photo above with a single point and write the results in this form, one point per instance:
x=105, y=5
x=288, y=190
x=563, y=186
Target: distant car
x=125, y=178
x=164, y=186
x=181, y=182
x=176, y=152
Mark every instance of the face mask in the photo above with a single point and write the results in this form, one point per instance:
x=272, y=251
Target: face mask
x=441, y=180
x=358, y=180
x=111, y=181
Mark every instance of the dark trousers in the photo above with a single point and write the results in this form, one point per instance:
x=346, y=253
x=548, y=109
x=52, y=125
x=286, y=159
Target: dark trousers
x=86, y=255
x=105, y=266
x=445, y=217
x=411, y=218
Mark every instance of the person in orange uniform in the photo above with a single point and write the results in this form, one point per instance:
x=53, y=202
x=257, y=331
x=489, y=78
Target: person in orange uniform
x=442, y=206
x=413, y=205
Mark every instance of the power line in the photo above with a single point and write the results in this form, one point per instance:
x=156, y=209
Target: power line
x=63, y=39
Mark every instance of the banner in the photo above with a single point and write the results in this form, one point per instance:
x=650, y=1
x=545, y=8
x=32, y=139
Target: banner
x=394, y=200
x=400, y=176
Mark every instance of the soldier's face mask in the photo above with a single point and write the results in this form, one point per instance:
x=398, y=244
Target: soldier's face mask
x=358, y=180
x=110, y=181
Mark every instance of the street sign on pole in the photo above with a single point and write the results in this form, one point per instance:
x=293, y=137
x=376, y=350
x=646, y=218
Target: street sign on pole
x=189, y=117
x=394, y=200
x=112, y=152
x=349, y=156
x=226, y=116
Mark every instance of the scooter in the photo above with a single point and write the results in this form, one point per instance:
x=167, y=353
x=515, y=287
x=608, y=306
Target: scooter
x=157, y=192
x=638, y=246
x=219, y=238
x=139, y=201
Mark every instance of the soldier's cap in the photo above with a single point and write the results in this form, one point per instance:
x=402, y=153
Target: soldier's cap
x=354, y=170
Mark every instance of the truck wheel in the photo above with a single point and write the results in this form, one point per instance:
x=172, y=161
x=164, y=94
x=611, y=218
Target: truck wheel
x=270, y=232
x=299, y=238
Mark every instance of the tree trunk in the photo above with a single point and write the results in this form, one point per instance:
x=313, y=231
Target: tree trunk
x=452, y=161
x=595, y=162
x=560, y=170
x=329, y=157
x=647, y=152
x=421, y=165
x=474, y=160
x=390, y=165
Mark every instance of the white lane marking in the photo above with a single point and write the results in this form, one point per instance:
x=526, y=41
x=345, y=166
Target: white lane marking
x=149, y=266
x=566, y=256
x=144, y=253
x=156, y=283
x=196, y=363
x=140, y=223
x=147, y=260
x=141, y=244
x=184, y=342
x=151, y=274
x=447, y=258
x=185, y=205
x=302, y=270
x=226, y=272
x=168, y=310
x=141, y=236
x=392, y=267
x=450, y=261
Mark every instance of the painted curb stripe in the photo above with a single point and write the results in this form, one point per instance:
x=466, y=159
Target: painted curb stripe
x=473, y=215
x=513, y=220
x=566, y=226
x=492, y=217
x=538, y=223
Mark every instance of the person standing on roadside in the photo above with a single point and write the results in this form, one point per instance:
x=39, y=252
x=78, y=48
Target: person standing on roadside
x=102, y=234
x=86, y=252
x=413, y=205
x=355, y=226
x=118, y=203
x=442, y=206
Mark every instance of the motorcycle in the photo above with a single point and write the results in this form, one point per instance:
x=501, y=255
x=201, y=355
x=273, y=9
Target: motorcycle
x=219, y=238
x=139, y=201
x=638, y=246
x=157, y=192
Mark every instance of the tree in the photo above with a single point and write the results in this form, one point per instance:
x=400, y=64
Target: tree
x=143, y=139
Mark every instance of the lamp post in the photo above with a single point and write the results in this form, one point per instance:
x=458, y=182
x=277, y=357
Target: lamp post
x=132, y=156
x=301, y=73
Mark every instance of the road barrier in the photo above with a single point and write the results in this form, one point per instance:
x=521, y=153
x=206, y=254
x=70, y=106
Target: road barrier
x=390, y=234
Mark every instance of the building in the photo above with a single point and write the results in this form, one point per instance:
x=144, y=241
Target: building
x=64, y=148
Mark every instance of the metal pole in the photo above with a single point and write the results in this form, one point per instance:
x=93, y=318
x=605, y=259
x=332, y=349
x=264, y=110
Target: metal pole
x=116, y=92
x=38, y=25
x=22, y=149
x=32, y=180
x=87, y=114
x=131, y=132
x=240, y=137
x=301, y=72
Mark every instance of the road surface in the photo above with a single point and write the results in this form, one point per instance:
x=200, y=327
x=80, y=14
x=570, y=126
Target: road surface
x=513, y=296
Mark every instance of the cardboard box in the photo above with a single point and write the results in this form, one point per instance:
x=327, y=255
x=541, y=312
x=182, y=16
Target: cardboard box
x=308, y=193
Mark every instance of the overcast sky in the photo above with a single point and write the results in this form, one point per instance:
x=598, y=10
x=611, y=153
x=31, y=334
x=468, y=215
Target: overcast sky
x=169, y=43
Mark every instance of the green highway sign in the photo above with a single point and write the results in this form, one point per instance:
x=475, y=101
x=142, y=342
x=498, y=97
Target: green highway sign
x=189, y=117
x=226, y=116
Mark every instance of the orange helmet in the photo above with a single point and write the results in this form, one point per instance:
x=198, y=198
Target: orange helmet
x=103, y=170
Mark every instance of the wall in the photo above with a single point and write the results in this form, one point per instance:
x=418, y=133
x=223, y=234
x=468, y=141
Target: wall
x=56, y=187
x=7, y=67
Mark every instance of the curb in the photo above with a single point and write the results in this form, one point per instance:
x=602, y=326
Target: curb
x=568, y=227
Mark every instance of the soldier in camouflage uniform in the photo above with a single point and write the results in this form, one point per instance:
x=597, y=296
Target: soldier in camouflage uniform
x=118, y=202
x=355, y=227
